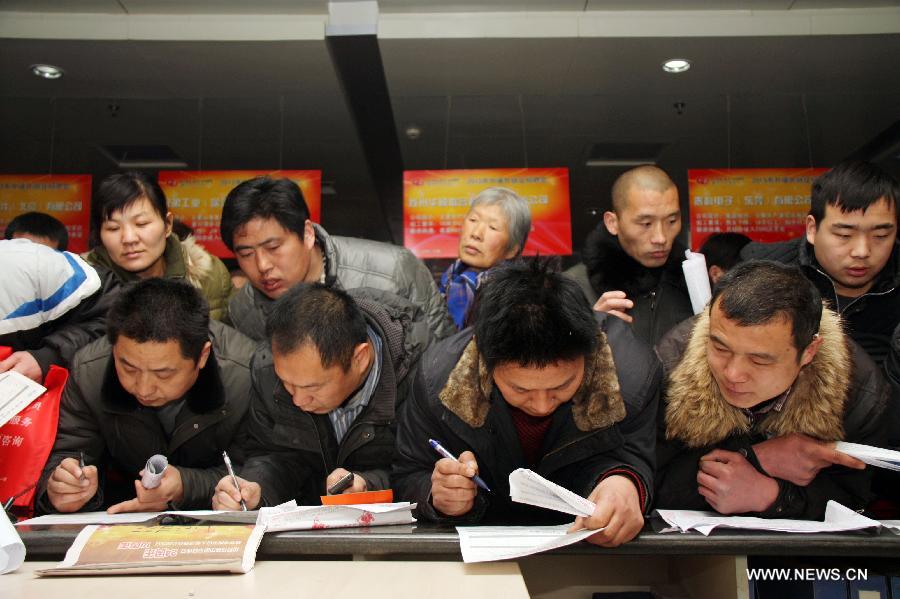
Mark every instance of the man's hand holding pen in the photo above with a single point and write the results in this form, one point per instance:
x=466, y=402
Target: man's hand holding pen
x=452, y=489
x=170, y=490
x=71, y=486
x=226, y=497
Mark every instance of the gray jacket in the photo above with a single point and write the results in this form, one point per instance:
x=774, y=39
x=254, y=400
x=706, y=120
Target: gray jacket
x=352, y=263
x=291, y=452
x=118, y=435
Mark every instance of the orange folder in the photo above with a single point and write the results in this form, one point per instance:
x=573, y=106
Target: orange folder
x=386, y=496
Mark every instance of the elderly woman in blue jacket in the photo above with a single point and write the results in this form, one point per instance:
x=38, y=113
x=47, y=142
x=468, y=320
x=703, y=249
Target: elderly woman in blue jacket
x=495, y=229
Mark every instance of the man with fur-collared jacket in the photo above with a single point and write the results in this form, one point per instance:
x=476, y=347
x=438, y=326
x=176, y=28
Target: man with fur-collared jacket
x=538, y=384
x=758, y=389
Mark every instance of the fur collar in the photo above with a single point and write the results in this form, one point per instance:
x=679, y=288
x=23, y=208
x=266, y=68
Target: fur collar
x=597, y=403
x=609, y=267
x=198, y=263
x=207, y=394
x=698, y=415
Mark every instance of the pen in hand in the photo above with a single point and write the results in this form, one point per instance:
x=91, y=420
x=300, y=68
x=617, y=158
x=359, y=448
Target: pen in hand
x=81, y=464
x=444, y=453
x=233, y=478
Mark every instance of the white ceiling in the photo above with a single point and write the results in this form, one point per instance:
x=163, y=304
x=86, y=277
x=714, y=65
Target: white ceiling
x=269, y=7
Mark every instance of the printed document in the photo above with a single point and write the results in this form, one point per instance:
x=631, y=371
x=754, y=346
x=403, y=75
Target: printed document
x=156, y=549
x=16, y=392
x=526, y=486
x=492, y=543
x=837, y=519
x=874, y=456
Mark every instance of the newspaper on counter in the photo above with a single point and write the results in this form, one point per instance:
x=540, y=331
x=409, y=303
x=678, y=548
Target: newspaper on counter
x=126, y=549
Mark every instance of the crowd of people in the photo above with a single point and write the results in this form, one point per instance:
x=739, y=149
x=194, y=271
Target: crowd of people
x=342, y=358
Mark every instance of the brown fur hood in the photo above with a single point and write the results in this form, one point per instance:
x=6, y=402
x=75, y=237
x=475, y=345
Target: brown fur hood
x=698, y=415
x=597, y=404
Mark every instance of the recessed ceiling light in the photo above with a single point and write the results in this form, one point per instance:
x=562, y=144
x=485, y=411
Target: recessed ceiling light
x=47, y=71
x=676, y=65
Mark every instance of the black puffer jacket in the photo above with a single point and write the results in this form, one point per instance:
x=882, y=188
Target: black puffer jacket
x=117, y=434
x=292, y=451
x=606, y=428
x=660, y=295
x=840, y=395
x=869, y=319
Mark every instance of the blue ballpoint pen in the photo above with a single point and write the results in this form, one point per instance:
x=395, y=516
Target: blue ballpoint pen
x=444, y=453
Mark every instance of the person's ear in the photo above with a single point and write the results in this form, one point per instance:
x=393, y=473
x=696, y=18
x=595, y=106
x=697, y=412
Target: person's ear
x=611, y=220
x=811, y=229
x=810, y=352
x=360, y=358
x=309, y=235
x=170, y=222
x=715, y=273
x=204, y=354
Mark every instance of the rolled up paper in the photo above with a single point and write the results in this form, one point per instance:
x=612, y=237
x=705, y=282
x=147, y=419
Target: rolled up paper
x=12, y=549
x=153, y=471
x=697, y=279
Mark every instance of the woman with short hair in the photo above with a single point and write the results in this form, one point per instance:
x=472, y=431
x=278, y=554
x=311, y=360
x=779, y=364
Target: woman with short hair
x=131, y=234
x=494, y=229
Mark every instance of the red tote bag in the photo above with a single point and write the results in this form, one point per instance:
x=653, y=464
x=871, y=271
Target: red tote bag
x=27, y=439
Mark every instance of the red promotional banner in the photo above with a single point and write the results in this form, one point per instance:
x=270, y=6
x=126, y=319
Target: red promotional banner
x=765, y=204
x=435, y=203
x=196, y=198
x=65, y=197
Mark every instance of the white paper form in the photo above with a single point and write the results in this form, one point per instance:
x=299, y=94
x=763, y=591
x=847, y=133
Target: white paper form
x=874, y=456
x=697, y=279
x=892, y=525
x=837, y=519
x=492, y=543
x=309, y=517
x=16, y=392
x=138, y=517
x=12, y=549
x=526, y=486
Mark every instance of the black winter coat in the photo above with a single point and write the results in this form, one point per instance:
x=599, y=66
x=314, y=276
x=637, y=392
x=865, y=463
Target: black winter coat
x=606, y=428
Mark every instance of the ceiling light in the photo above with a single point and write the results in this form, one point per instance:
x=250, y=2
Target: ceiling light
x=676, y=65
x=47, y=71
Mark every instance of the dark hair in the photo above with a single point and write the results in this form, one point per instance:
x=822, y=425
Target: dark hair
x=852, y=186
x=117, y=192
x=758, y=291
x=530, y=315
x=326, y=317
x=263, y=197
x=39, y=224
x=724, y=249
x=161, y=310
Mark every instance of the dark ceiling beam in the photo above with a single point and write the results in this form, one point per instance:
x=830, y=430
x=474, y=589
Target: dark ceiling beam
x=358, y=65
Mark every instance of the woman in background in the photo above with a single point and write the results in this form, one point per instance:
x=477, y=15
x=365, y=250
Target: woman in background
x=131, y=234
x=495, y=229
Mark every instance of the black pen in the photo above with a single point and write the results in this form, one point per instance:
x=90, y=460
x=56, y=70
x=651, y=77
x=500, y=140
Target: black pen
x=81, y=464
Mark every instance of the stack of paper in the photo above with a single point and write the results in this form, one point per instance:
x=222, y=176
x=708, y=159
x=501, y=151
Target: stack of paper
x=290, y=516
x=837, y=519
x=874, y=456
